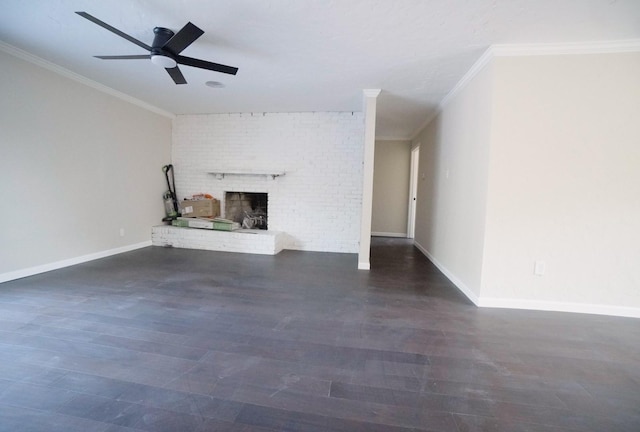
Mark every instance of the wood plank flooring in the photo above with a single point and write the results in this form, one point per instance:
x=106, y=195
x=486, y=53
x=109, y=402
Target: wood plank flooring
x=164, y=339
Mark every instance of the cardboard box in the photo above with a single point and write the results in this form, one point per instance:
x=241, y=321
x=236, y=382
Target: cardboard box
x=200, y=208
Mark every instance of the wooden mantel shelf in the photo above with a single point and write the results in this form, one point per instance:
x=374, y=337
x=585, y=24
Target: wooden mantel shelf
x=220, y=174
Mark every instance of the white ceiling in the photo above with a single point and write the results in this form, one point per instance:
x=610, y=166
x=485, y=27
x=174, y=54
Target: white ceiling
x=306, y=55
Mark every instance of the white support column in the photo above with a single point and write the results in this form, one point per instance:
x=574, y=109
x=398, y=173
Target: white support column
x=370, y=100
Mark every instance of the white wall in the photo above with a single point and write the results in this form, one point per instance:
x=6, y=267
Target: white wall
x=549, y=147
x=391, y=188
x=452, y=185
x=76, y=165
x=317, y=203
x=564, y=184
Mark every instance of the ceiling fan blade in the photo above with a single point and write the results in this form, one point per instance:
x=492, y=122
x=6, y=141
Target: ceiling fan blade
x=176, y=75
x=185, y=37
x=125, y=57
x=114, y=30
x=202, y=64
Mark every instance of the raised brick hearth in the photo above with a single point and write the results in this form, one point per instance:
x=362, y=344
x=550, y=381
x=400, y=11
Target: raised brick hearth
x=243, y=241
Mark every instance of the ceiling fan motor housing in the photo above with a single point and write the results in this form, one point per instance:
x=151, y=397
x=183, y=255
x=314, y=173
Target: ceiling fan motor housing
x=162, y=36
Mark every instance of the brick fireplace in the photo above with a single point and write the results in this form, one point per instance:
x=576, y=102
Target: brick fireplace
x=309, y=165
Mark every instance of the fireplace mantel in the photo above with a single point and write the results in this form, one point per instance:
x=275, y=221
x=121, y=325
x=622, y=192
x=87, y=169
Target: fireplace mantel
x=220, y=174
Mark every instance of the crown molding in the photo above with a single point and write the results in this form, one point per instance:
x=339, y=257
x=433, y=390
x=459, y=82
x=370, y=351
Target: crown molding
x=596, y=47
x=389, y=138
x=371, y=92
x=17, y=52
x=514, y=50
x=424, y=124
x=484, y=60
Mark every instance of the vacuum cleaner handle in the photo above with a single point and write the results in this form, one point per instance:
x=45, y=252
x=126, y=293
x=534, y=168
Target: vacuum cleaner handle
x=171, y=185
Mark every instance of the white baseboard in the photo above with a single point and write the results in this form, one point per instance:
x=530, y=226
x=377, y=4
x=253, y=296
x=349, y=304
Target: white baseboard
x=388, y=234
x=542, y=305
x=539, y=305
x=364, y=265
x=457, y=282
x=18, y=274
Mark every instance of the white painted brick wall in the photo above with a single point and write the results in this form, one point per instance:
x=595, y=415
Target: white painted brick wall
x=317, y=203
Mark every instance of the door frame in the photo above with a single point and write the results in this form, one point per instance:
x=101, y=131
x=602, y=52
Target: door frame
x=413, y=190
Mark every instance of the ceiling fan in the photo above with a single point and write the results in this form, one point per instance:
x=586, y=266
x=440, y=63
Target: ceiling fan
x=165, y=49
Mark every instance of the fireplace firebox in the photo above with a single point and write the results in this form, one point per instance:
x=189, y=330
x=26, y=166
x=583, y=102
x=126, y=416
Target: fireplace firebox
x=249, y=209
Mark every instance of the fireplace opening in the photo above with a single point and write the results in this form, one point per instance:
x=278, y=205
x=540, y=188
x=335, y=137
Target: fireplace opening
x=249, y=209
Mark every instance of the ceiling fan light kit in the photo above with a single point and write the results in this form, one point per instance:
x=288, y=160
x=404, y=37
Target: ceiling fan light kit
x=165, y=49
x=163, y=61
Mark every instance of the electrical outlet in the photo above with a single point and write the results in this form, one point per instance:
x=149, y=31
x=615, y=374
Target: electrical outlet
x=121, y=232
x=539, y=267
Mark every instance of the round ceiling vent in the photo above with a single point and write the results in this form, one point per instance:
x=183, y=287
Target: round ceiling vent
x=214, y=84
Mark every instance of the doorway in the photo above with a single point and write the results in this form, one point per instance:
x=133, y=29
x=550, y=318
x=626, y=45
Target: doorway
x=413, y=191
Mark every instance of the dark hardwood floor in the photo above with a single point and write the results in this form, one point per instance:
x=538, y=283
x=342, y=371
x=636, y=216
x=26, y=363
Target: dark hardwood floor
x=180, y=340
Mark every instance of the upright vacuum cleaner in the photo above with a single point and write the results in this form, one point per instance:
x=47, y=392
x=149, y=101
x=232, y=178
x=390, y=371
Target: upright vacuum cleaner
x=170, y=197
